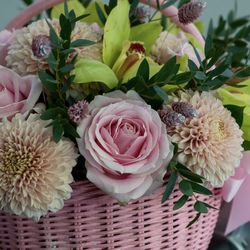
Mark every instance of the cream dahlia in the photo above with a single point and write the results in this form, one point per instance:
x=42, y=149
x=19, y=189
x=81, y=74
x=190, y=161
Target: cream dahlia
x=23, y=60
x=35, y=172
x=210, y=143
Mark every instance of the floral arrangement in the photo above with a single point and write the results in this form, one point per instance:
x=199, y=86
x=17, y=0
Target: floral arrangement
x=117, y=94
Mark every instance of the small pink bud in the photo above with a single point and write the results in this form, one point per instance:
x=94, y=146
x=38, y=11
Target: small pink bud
x=170, y=117
x=78, y=111
x=190, y=12
x=41, y=46
x=184, y=108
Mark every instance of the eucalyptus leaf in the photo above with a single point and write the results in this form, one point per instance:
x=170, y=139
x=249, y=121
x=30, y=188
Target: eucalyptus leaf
x=181, y=202
x=170, y=186
x=186, y=188
x=196, y=218
x=200, y=207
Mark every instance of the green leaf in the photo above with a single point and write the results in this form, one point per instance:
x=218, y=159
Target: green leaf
x=81, y=43
x=72, y=5
x=197, y=188
x=192, y=66
x=200, y=207
x=170, y=186
x=88, y=70
x=55, y=40
x=209, y=47
x=116, y=31
x=146, y=33
x=143, y=70
x=53, y=113
x=190, y=175
x=161, y=93
x=181, y=78
x=186, y=188
x=100, y=13
x=245, y=72
x=199, y=75
x=70, y=130
x=57, y=131
x=209, y=206
x=67, y=68
x=246, y=145
x=181, y=202
x=167, y=72
x=28, y=2
x=236, y=112
x=194, y=220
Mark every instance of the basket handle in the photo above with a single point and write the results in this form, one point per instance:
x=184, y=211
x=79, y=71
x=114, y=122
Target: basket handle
x=41, y=5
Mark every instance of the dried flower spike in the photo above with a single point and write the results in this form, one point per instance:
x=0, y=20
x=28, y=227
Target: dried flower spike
x=78, y=111
x=170, y=117
x=190, y=12
x=184, y=108
x=41, y=46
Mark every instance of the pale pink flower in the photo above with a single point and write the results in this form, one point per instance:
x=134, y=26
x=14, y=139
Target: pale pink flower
x=35, y=172
x=169, y=45
x=17, y=94
x=125, y=145
x=5, y=40
x=210, y=143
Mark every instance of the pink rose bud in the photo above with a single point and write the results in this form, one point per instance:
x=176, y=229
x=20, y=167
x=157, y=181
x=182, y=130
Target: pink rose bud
x=5, y=41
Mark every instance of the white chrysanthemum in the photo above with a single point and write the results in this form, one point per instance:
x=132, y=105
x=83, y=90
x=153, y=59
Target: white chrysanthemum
x=209, y=144
x=35, y=172
x=22, y=59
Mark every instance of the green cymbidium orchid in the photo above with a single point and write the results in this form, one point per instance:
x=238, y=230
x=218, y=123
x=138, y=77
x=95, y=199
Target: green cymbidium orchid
x=124, y=48
x=239, y=96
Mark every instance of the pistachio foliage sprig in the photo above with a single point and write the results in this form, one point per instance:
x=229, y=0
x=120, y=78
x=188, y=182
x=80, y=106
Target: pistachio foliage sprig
x=190, y=185
x=150, y=88
x=58, y=78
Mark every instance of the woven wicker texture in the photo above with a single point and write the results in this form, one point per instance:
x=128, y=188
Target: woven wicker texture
x=94, y=221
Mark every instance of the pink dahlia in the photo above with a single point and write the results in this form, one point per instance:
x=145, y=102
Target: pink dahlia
x=210, y=143
x=35, y=172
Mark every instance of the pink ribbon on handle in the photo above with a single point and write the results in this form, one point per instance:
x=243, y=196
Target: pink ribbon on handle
x=237, y=188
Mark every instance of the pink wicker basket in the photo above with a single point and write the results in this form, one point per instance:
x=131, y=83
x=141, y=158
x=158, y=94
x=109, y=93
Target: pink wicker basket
x=92, y=220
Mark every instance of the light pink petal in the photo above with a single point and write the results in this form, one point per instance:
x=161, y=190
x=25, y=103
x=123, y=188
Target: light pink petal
x=33, y=93
x=6, y=96
x=11, y=110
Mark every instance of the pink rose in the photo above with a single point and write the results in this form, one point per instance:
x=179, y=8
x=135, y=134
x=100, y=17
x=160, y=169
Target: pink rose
x=17, y=94
x=125, y=145
x=5, y=40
